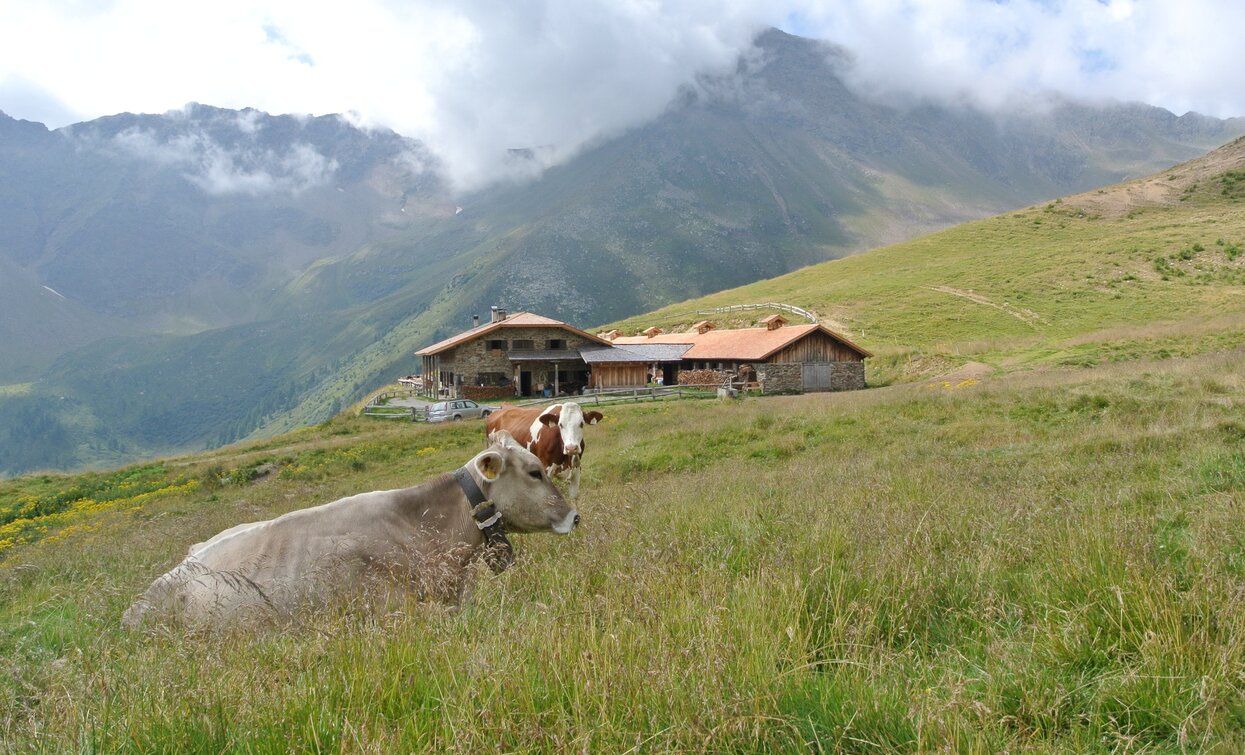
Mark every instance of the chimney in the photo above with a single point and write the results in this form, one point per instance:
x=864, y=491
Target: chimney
x=475, y=321
x=702, y=327
x=774, y=322
x=653, y=331
x=610, y=335
x=496, y=314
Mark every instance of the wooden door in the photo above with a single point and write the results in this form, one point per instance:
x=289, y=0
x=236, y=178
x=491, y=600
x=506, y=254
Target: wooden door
x=816, y=377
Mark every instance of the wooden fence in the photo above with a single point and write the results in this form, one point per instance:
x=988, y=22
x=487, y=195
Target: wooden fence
x=770, y=305
x=376, y=408
x=607, y=396
x=591, y=397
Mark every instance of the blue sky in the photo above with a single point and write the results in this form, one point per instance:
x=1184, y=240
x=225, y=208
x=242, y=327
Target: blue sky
x=472, y=77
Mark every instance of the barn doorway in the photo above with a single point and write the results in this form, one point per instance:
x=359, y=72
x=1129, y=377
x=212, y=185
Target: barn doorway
x=525, y=383
x=816, y=377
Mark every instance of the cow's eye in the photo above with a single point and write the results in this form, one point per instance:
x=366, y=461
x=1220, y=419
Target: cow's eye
x=535, y=474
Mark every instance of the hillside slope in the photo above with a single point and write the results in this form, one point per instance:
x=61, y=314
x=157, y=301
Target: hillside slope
x=186, y=221
x=1148, y=267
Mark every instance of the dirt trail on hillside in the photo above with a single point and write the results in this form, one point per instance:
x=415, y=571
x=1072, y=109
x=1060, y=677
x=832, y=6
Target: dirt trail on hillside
x=967, y=375
x=1027, y=316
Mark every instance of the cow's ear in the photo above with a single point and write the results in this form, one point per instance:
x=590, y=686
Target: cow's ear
x=551, y=415
x=490, y=465
x=593, y=417
x=508, y=441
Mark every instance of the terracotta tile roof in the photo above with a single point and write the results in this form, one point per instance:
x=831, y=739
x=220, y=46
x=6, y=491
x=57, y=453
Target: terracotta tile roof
x=744, y=344
x=516, y=320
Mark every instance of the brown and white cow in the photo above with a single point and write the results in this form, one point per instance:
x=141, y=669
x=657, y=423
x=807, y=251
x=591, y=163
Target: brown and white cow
x=416, y=540
x=555, y=434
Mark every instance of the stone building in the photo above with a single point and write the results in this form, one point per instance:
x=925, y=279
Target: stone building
x=521, y=354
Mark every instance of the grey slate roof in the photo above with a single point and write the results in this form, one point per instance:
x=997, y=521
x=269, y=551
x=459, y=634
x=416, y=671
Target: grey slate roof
x=646, y=352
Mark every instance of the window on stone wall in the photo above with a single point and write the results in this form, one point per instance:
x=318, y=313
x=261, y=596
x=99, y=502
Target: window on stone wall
x=520, y=345
x=497, y=345
x=484, y=379
x=557, y=344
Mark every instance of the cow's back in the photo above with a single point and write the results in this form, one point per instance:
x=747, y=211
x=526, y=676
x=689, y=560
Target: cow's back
x=515, y=420
x=288, y=546
x=275, y=564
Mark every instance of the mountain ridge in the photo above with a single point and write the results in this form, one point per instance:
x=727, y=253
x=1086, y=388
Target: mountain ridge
x=745, y=176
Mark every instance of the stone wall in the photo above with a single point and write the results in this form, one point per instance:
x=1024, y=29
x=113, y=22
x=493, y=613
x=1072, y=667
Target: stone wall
x=847, y=376
x=789, y=378
x=780, y=378
x=474, y=357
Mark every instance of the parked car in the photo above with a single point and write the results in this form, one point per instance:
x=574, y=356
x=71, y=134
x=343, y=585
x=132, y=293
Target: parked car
x=458, y=409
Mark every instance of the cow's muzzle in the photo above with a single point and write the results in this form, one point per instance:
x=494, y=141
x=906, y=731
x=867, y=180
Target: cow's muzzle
x=568, y=523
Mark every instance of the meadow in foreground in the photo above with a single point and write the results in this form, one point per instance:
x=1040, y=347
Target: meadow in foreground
x=1050, y=561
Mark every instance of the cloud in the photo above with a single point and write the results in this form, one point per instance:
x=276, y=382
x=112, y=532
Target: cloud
x=1181, y=56
x=552, y=76
x=472, y=79
x=475, y=79
x=275, y=36
x=240, y=169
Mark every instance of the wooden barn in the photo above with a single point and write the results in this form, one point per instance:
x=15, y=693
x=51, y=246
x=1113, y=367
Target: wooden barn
x=783, y=357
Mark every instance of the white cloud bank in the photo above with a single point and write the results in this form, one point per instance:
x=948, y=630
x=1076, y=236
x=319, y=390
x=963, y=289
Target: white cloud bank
x=474, y=78
x=1178, y=55
x=218, y=170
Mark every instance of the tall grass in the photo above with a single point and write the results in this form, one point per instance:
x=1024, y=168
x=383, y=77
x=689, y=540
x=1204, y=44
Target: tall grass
x=1044, y=561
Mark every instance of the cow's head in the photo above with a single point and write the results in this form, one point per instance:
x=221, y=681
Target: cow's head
x=570, y=420
x=516, y=483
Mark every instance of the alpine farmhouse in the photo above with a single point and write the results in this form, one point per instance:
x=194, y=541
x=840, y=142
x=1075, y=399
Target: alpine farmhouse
x=525, y=354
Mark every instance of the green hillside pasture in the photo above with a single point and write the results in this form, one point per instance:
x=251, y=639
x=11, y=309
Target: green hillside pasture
x=1025, y=288
x=1040, y=561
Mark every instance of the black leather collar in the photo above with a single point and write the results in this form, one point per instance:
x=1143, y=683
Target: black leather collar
x=498, y=552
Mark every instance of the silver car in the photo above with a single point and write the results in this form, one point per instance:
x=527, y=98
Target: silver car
x=457, y=409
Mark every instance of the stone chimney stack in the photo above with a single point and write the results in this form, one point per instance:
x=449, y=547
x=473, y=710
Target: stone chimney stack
x=496, y=314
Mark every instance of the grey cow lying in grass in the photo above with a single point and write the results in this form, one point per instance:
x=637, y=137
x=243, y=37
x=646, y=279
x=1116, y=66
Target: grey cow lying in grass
x=418, y=540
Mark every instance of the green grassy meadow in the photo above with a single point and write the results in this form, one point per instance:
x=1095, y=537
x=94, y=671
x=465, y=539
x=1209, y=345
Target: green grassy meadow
x=1049, y=561
x=1045, y=553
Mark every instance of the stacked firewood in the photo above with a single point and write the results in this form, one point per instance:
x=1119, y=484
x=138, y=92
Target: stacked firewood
x=704, y=377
